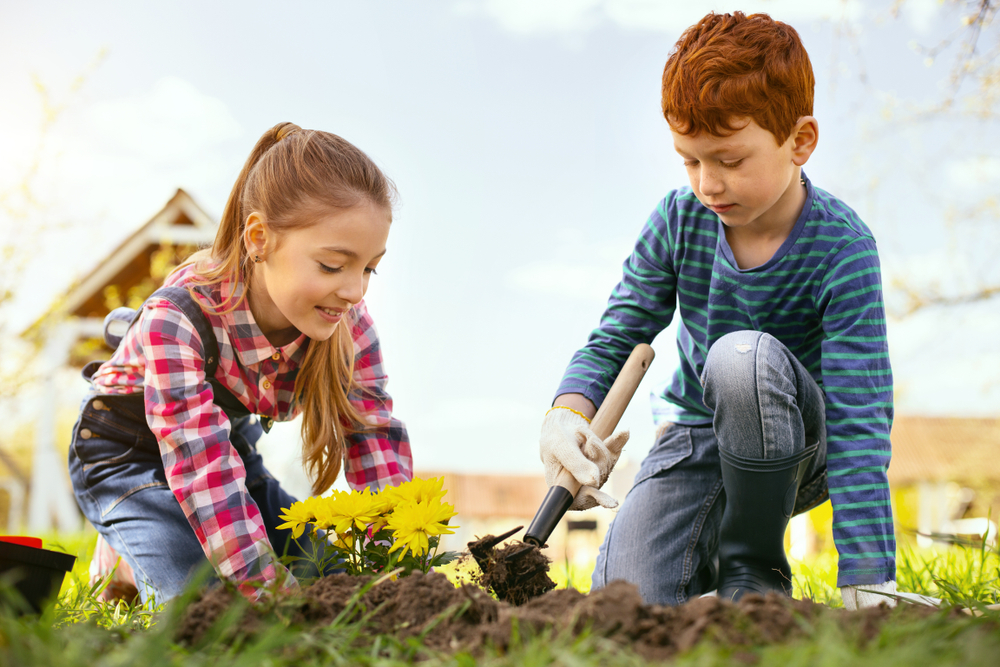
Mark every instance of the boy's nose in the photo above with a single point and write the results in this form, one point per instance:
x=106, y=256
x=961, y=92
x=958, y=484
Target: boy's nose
x=711, y=184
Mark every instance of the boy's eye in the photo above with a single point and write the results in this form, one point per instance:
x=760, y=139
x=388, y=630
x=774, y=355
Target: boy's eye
x=690, y=163
x=731, y=165
x=329, y=269
x=371, y=271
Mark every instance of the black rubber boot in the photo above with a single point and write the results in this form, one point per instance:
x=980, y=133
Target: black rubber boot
x=760, y=497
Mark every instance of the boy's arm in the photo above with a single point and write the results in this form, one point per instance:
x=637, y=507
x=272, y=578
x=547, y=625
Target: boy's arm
x=857, y=381
x=640, y=307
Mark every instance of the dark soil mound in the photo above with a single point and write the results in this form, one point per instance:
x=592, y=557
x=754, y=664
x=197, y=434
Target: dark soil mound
x=466, y=618
x=516, y=572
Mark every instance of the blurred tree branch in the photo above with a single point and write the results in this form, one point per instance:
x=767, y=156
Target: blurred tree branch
x=26, y=219
x=973, y=93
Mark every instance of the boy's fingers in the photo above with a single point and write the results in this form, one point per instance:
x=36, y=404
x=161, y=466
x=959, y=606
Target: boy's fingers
x=583, y=469
x=591, y=497
x=616, y=443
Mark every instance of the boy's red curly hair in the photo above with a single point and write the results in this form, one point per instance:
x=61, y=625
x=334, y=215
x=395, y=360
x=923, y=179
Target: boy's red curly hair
x=732, y=66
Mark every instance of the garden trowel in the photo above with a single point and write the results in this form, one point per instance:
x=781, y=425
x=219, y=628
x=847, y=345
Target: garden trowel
x=521, y=571
x=562, y=493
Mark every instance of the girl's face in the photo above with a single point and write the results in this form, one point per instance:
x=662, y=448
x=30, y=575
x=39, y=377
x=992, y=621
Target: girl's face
x=310, y=276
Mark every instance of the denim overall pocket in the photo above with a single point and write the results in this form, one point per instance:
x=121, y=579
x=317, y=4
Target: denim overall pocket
x=115, y=455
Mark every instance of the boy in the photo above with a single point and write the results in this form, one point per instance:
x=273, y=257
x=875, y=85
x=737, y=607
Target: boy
x=783, y=396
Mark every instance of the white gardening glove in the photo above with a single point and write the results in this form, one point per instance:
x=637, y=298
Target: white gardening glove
x=567, y=442
x=859, y=597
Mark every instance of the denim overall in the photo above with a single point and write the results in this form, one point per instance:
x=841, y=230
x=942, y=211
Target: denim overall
x=121, y=487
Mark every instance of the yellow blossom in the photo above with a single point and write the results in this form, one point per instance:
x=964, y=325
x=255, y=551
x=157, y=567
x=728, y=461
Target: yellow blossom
x=342, y=510
x=416, y=491
x=414, y=523
x=297, y=516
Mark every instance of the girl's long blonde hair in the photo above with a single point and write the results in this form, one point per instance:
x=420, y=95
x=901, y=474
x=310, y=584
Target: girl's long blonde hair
x=290, y=175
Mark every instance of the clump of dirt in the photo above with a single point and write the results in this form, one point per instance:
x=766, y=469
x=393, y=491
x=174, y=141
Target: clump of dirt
x=516, y=572
x=465, y=618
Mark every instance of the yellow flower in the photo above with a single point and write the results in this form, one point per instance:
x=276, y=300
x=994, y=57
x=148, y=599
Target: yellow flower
x=416, y=491
x=297, y=516
x=414, y=523
x=342, y=510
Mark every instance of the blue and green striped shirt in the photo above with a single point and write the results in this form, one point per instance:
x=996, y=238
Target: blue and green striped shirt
x=820, y=295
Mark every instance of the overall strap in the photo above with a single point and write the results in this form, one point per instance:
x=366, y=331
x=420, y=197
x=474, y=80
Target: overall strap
x=180, y=297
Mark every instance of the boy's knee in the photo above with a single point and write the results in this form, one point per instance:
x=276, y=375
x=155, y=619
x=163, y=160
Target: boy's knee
x=732, y=361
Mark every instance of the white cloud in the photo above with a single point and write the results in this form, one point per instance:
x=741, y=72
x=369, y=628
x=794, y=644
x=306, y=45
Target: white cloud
x=171, y=121
x=581, y=16
x=123, y=157
x=920, y=13
x=974, y=173
x=109, y=165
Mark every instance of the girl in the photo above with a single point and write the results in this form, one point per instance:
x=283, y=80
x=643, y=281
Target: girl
x=267, y=323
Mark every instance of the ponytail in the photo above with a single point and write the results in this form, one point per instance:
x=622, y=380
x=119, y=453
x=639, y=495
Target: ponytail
x=288, y=171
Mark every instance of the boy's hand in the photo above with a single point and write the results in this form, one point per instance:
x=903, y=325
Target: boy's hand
x=859, y=597
x=567, y=442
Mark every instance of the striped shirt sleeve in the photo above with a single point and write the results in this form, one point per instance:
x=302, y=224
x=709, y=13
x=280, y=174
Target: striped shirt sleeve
x=379, y=457
x=857, y=380
x=203, y=469
x=640, y=307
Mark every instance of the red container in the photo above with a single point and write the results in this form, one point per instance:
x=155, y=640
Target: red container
x=22, y=540
x=35, y=573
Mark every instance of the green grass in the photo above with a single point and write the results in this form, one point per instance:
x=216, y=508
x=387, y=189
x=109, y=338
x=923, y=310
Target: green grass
x=80, y=630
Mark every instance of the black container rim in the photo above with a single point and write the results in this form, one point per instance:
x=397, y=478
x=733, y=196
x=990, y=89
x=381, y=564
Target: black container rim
x=33, y=556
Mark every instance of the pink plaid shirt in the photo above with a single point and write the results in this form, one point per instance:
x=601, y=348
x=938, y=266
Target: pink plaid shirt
x=162, y=355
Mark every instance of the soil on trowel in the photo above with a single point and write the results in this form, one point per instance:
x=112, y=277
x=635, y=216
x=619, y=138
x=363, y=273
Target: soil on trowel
x=516, y=572
x=465, y=618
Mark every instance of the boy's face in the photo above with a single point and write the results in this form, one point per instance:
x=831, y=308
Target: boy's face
x=747, y=179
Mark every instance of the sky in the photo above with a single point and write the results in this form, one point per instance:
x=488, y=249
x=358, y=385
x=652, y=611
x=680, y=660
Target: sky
x=527, y=145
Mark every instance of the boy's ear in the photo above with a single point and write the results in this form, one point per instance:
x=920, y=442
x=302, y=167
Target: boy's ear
x=805, y=136
x=255, y=235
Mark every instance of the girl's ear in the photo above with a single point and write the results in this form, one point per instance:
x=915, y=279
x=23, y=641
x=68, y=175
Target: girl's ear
x=805, y=136
x=256, y=236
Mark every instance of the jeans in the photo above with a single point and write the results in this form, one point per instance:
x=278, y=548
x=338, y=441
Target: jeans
x=120, y=485
x=665, y=537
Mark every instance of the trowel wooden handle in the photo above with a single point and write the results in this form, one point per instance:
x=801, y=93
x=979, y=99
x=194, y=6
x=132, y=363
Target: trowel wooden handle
x=562, y=493
x=610, y=413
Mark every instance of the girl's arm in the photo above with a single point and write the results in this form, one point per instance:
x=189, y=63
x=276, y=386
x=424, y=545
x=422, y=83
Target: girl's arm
x=202, y=467
x=380, y=457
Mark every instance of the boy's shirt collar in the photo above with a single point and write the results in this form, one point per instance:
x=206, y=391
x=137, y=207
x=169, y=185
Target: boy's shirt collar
x=786, y=245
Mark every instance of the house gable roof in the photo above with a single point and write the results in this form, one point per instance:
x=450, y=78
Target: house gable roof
x=180, y=222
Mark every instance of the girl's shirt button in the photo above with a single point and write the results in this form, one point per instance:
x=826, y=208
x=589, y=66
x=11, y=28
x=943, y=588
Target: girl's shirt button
x=276, y=356
x=266, y=384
